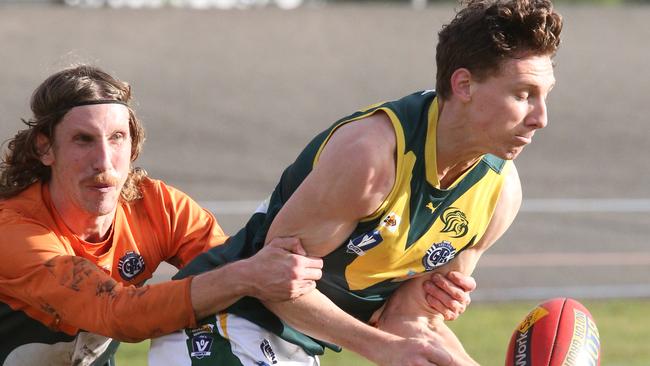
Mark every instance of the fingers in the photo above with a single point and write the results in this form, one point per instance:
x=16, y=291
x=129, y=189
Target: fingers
x=446, y=297
x=294, y=246
x=444, y=310
x=310, y=274
x=453, y=291
x=290, y=244
x=312, y=262
x=463, y=281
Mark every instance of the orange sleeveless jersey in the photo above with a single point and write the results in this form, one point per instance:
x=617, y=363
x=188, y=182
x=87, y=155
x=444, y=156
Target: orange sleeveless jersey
x=41, y=272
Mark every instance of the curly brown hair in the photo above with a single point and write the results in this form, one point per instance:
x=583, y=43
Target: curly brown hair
x=486, y=32
x=21, y=165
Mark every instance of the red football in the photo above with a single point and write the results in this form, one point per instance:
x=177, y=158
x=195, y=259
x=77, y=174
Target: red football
x=558, y=332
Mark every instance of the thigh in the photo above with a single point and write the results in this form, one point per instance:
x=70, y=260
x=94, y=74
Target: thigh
x=227, y=340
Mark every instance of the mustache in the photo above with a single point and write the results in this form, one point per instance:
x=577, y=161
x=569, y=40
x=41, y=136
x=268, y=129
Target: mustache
x=102, y=179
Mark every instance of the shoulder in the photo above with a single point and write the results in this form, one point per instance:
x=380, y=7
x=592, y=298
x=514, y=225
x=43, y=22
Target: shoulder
x=155, y=190
x=511, y=194
x=363, y=143
x=358, y=162
x=29, y=240
x=26, y=214
x=27, y=202
x=506, y=208
x=164, y=199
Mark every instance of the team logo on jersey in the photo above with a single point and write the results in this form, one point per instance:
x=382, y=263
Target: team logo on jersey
x=265, y=346
x=438, y=254
x=391, y=222
x=363, y=243
x=130, y=265
x=430, y=207
x=201, y=346
x=455, y=221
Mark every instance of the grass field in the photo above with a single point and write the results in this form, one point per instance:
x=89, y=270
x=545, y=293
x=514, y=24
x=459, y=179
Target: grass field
x=485, y=330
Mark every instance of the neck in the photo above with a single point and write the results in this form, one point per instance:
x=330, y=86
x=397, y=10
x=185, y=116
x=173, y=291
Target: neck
x=86, y=226
x=456, y=146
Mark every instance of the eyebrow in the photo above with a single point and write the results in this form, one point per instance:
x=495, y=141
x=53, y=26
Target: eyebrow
x=536, y=86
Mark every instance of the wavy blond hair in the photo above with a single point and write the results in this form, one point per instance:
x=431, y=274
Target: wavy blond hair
x=21, y=165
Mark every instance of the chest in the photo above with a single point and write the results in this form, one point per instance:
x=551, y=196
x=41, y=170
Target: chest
x=420, y=229
x=129, y=255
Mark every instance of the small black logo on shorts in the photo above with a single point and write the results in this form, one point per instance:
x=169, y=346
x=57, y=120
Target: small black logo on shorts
x=265, y=346
x=130, y=265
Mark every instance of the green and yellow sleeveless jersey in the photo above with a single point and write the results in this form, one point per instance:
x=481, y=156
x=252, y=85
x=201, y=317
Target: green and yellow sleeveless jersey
x=418, y=227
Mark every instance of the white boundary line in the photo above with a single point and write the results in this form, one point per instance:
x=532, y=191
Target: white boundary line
x=568, y=205
x=572, y=205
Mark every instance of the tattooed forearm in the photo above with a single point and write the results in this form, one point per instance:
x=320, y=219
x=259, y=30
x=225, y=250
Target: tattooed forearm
x=76, y=272
x=106, y=288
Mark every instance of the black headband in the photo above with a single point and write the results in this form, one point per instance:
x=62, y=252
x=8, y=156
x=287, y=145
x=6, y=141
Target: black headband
x=99, y=101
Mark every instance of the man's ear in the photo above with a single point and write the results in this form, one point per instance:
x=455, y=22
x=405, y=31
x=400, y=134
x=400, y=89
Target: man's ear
x=461, y=82
x=44, y=148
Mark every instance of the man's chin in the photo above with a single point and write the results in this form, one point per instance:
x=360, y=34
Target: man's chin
x=509, y=155
x=103, y=207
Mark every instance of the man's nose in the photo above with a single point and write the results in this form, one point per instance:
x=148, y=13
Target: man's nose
x=102, y=156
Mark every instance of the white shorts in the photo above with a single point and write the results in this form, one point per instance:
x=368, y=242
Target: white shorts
x=227, y=340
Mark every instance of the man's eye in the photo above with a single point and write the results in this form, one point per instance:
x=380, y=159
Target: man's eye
x=82, y=139
x=521, y=96
x=119, y=136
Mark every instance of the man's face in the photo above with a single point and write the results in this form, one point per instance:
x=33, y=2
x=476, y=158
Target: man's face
x=90, y=159
x=510, y=106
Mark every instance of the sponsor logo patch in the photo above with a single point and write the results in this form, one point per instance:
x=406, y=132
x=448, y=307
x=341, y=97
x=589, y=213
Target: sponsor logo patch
x=201, y=346
x=455, y=221
x=265, y=346
x=130, y=265
x=205, y=328
x=585, y=343
x=391, y=222
x=438, y=254
x=522, y=349
x=532, y=318
x=362, y=243
x=522, y=342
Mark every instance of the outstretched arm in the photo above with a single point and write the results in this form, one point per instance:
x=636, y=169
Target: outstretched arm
x=58, y=289
x=280, y=271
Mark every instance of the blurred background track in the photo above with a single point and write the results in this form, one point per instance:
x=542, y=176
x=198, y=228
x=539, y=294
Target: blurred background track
x=229, y=98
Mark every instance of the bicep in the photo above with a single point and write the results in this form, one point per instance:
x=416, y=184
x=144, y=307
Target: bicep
x=353, y=176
